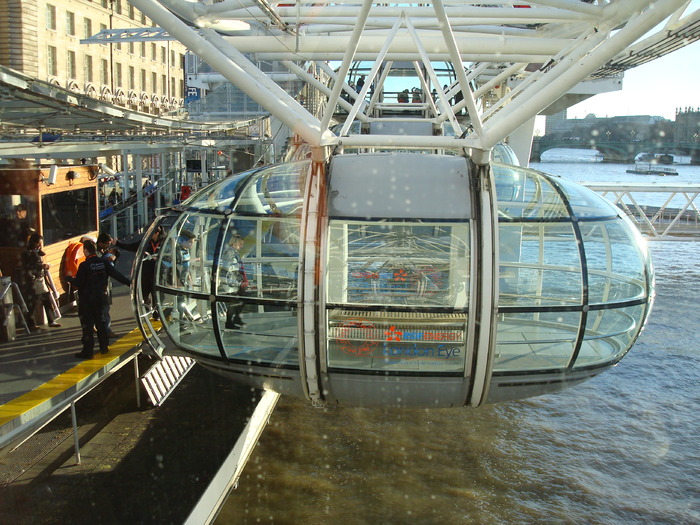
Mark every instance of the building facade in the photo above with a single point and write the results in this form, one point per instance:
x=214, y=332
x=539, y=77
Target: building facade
x=42, y=39
x=687, y=125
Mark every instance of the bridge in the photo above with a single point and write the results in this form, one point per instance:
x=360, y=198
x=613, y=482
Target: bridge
x=623, y=152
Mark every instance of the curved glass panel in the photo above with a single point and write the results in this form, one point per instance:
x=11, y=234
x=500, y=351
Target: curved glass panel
x=276, y=190
x=187, y=321
x=616, y=267
x=539, y=265
x=526, y=194
x=267, y=337
x=609, y=334
x=586, y=203
x=253, y=261
x=548, y=296
x=218, y=196
x=535, y=340
x=260, y=258
x=504, y=154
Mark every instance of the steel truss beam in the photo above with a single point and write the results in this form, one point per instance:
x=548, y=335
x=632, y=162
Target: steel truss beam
x=512, y=61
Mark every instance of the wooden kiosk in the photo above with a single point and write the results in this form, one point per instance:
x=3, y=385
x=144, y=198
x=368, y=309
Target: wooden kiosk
x=62, y=205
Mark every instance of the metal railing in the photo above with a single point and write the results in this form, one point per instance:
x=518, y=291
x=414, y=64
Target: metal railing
x=122, y=221
x=661, y=211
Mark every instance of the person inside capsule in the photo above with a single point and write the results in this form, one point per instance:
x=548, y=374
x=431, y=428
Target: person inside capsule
x=235, y=280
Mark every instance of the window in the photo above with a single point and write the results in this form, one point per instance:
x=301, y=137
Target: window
x=131, y=48
x=70, y=64
x=118, y=46
x=153, y=52
x=132, y=12
x=164, y=85
x=143, y=18
x=103, y=27
x=51, y=64
x=118, y=74
x=172, y=58
x=162, y=55
x=105, y=3
x=104, y=72
x=87, y=27
x=154, y=83
x=143, y=49
x=143, y=80
x=87, y=67
x=118, y=7
x=68, y=213
x=70, y=23
x=51, y=17
x=172, y=87
x=132, y=77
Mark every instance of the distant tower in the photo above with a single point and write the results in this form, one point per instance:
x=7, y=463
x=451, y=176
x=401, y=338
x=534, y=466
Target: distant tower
x=556, y=124
x=687, y=125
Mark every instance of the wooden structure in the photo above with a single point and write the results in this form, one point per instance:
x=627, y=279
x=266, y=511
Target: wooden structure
x=60, y=200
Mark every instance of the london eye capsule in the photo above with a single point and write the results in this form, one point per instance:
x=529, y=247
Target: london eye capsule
x=399, y=279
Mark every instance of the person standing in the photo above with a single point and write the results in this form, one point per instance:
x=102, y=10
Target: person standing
x=17, y=230
x=91, y=280
x=104, y=243
x=148, y=267
x=235, y=280
x=360, y=83
x=35, y=287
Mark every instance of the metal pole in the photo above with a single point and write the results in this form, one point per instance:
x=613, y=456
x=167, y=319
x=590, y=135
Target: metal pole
x=350, y=50
x=303, y=75
x=370, y=78
x=76, y=441
x=137, y=378
x=433, y=78
x=240, y=71
x=141, y=207
x=449, y=37
x=567, y=73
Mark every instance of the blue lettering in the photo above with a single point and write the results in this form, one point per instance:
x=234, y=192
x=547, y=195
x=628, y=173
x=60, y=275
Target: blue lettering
x=441, y=351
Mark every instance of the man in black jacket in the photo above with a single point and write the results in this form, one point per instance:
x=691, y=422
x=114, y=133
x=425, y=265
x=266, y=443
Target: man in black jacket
x=148, y=267
x=91, y=280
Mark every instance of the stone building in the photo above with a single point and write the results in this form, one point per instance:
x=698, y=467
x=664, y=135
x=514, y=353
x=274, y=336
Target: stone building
x=42, y=39
x=687, y=127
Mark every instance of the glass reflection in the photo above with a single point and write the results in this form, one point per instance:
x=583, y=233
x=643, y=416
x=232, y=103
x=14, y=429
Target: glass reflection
x=535, y=340
x=398, y=263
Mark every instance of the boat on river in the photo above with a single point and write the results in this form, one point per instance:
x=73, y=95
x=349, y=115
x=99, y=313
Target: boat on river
x=648, y=168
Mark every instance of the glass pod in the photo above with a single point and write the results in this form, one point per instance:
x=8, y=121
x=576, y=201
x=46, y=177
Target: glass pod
x=398, y=279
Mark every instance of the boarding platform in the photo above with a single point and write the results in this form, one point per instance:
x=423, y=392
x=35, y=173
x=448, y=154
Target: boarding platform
x=77, y=435
x=40, y=376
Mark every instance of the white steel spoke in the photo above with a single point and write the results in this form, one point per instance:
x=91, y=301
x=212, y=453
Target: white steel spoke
x=506, y=62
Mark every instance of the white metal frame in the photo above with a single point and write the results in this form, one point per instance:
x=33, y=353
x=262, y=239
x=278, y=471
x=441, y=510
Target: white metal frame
x=541, y=49
x=535, y=51
x=677, y=218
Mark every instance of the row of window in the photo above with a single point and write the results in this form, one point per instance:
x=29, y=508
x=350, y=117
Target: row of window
x=51, y=24
x=51, y=18
x=104, y=74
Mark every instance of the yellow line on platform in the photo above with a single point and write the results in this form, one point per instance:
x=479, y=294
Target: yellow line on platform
x=43, y=393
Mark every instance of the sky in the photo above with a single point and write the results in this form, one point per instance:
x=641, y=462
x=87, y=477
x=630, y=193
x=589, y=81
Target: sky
x=656, y=88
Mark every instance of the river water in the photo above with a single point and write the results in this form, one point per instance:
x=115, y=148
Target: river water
x=623, y=447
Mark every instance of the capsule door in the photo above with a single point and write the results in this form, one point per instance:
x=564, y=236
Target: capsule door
x=397, y=283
